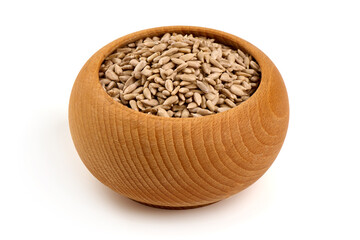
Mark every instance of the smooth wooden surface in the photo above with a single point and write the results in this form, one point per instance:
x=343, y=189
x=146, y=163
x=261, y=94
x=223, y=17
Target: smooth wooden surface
x=178, y=163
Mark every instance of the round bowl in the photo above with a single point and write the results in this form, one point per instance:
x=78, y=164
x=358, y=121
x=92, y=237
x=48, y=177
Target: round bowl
x=178, y=162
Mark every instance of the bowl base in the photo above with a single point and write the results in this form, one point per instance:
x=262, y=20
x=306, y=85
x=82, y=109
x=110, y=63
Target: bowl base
x=174, y=208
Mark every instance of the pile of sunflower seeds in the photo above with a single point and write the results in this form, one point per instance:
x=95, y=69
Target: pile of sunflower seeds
x=179, y=76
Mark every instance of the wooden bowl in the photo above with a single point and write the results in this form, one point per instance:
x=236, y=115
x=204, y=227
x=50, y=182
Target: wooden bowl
x=178, y=162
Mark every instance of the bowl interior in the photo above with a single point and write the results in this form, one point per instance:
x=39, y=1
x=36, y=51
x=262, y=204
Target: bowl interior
x=219, y=36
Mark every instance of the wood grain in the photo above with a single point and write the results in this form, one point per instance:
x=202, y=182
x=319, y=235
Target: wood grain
x=178, y=163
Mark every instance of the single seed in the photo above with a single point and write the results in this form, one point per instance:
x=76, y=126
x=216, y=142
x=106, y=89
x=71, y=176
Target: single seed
x=237, y=90
x=111, y=75
x=147, y=93
x=204, y=112
x=192, y=105
x=185, y=113
x=169, y=85
x=161, y=112
x=133, y=105
x=170, y=100
x=130, y=96
x=210, y=106
x=152, y=102
x=197, y=98
x=230, y=103
x=202, y=86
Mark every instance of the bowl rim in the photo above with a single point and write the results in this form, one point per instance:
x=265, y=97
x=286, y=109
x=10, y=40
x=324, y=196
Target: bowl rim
x=218, y=35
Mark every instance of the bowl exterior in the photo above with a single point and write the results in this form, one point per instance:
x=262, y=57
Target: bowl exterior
x=178, y=163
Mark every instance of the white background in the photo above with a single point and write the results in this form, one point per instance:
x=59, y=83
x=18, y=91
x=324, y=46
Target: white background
x=310, y=192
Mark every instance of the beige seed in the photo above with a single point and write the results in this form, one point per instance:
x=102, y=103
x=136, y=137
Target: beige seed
x=166, y=37
x=177, y=114
x=215, y=100
x=181, y=96
x=170, y=113
x=170, y=52
x=204, y=112
x=241, y=53
x=105, y=81
x=246, y=62
x=175, y=91
x=192, y=105
x=164, y=60
x=177, y=61
x=169, y=85
x=168, y=72
x=223, y=109
x=140, y=105
x=152, y=102
x=181, y=67
x=168, y=65
x=133, y=105
x=140, y=66
x=210, y=96
x=151, y=58
x=132, y=87
x=187, y=57
x=185, y=50
x=124, y=78
x=179, y=44
x=200, y=55
x=166, y=93
x=211, y=81
x=214, y=75
x=227, y=93
x=226, y=77
x=146, y=72
x=189, y=71
x=134, y=62
x=176, y=108
x=202, y=86
x=159, y=48
x=203, y=102
x=183, y=90
x=117, y=69
x=130, y=96
x=197, y=98
x=191, y=86
x=111, y=75
x=254, y=65
x=237, y=90
x=194, y=64
x=211, y=106
x=246, y=86
x=230, y=103
x=170, y=100
x=110, y=86
x=189, y=94
x=187, y=77
x=140, y=97
x=149, y=44
x=231, y=58
x=216, y=63
x=206, y=68
x=185, y=113
x=147, y=93
x=161, y=112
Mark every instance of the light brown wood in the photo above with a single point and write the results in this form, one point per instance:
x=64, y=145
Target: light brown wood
x=178, y=163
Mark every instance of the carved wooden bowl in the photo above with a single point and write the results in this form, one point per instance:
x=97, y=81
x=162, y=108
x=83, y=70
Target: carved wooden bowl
x=178, y=162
